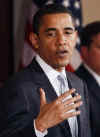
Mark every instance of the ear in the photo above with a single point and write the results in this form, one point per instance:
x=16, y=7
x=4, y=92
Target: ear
x=34, y=40
x=84, y=52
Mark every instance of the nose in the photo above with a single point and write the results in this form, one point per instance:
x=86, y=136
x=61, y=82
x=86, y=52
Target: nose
x=61, y=40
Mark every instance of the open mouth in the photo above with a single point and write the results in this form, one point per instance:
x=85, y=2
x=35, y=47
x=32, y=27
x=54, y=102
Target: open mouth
x=62, y=53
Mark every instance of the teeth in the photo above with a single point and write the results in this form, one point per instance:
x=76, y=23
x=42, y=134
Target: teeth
x=63, y=52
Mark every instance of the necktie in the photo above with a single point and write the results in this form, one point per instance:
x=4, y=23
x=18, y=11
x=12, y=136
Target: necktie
x=63, y=84
x=72, y=130
x=62, y=89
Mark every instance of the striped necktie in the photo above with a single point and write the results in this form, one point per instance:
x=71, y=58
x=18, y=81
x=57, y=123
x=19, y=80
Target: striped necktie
x=63, y=84
x=71, y=123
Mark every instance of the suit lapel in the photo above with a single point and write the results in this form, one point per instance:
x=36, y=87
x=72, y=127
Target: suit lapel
x=42, y=81
x=94, y=88
x=90, y=81
x=72, y=84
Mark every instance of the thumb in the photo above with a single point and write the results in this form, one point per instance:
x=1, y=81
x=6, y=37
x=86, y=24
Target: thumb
x=42, y=98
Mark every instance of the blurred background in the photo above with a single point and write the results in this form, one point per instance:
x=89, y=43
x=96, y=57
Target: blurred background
x=15, y=25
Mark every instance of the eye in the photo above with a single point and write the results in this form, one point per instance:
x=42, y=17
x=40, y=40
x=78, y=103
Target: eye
x=69, y=32
x=51, y=34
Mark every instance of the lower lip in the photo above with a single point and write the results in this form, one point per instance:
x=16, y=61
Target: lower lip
x=62, y=54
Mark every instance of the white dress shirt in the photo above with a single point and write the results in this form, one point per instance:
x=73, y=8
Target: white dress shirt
x=52, y=76
x=94, y=74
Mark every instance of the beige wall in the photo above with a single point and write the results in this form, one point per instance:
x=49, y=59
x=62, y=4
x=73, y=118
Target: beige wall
x=90, y=10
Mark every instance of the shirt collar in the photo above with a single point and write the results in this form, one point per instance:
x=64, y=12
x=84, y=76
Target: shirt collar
x=95, y=75
x=48, y=70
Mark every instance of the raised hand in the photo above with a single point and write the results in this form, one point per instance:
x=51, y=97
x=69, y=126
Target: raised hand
x=55, y=112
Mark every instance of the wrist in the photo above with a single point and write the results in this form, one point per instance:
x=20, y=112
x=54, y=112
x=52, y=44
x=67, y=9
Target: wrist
x=39, y=126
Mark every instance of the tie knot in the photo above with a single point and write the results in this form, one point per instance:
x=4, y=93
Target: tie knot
x=61, y=79
x=63, y=85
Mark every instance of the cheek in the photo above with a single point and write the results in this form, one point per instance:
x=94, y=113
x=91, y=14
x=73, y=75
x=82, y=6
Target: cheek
x=74, y=40
x=47, y=49
x=95, y=54
x=71, y=46
x=94, y=57
x=72, y=43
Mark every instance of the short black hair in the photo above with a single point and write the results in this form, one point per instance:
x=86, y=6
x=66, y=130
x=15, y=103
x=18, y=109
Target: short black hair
x=49, y=9
x=88, y=32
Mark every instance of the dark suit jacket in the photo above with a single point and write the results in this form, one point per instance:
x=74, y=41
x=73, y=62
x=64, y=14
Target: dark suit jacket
x=20, y=104
x=94, y=97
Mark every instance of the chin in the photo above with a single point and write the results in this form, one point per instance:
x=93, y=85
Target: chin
x=63, y=64
x=60, y=63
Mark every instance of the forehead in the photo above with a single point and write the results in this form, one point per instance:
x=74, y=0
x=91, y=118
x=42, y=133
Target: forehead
x=61, y=20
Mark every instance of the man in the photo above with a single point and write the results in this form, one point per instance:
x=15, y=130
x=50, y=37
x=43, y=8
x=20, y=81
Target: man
x=35, y=105
x=90, y=71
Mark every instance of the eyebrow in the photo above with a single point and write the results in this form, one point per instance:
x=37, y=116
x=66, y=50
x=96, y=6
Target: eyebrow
x=54, y=29
x=69, y=28
x=50, y=29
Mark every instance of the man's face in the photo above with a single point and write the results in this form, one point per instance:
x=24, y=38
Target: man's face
x=56, y=39
x=93, y=54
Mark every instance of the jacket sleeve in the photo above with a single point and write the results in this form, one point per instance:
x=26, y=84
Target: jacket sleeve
x=16, y=118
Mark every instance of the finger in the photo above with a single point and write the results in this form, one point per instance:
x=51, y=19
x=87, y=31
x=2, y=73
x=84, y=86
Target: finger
x=72, y=107
x=66, y=94
x=71, y=100
x=42, y=97
x=71, y=114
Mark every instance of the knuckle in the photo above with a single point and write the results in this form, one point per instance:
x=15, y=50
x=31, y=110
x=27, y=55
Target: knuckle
x=74, y=105
x=58, y=108
x=75, y=98
x=74, y=113
x=78, y=97
x=61, y=118
x=56, y=103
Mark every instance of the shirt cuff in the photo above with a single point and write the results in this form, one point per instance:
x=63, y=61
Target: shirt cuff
x=38, y=133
